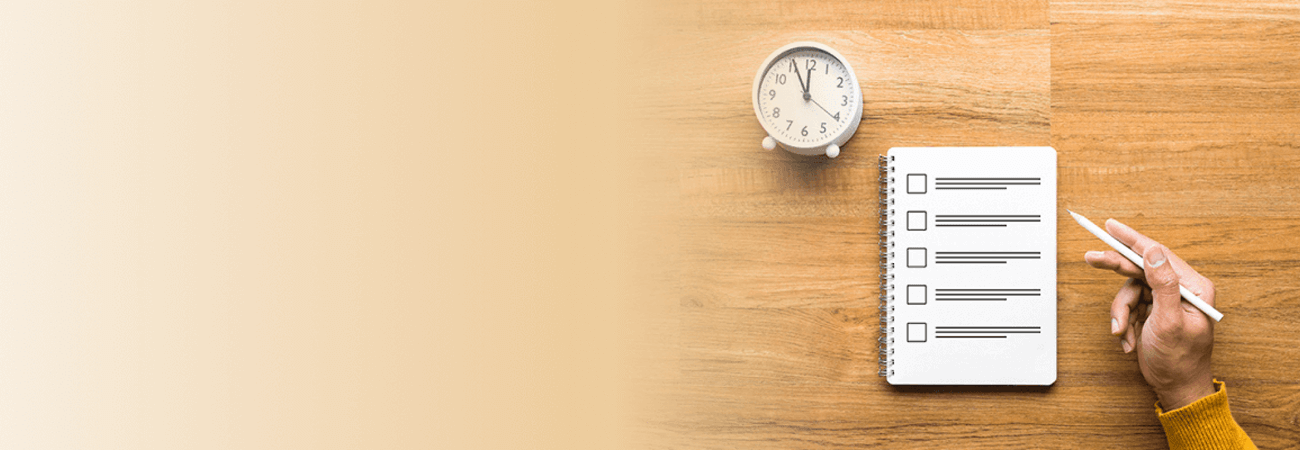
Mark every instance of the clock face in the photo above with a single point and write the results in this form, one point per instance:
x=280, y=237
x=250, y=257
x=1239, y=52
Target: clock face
x=807, y=98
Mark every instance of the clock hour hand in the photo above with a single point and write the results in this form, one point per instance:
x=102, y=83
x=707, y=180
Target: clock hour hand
x=835, y=116
x=807, y=92
x=800, y=75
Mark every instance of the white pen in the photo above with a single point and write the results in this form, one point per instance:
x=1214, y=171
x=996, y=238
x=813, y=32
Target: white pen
x=1137, y=259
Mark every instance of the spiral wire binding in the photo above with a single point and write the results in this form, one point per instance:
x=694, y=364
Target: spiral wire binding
x=886, y=341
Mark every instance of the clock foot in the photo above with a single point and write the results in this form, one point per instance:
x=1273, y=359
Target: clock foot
x=832, y=150
x=769, y=143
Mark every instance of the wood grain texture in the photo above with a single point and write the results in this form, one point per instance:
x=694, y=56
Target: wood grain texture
x=1181, y=119
x=759, y=15
x=926, y=87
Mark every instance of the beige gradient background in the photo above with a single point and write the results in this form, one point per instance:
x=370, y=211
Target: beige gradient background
x=360, y=224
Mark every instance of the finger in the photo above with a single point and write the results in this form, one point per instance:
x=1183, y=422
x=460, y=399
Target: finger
x=1164, y=284
x=1140, y=243
x=1135, y=333
x=1181, y=266
x=1129, y=236
x=1121, y=308
x=1191, y=279
x=1129, y=340
x=1141, y=313
x=1109, y=260
x=1204, y=289
x=1201, y=286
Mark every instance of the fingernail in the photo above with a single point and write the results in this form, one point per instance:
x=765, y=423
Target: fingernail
x=1157, y=258
x=1114, y=326
x=1125, y=344
x=1093, y=254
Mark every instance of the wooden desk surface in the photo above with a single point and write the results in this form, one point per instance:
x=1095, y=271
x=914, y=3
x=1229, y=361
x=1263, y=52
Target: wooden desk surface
x=1180, y=118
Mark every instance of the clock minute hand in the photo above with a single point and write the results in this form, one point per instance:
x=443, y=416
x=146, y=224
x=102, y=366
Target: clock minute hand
x=819, y=105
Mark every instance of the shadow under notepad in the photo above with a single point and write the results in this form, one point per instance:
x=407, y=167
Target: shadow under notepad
x=958, y=389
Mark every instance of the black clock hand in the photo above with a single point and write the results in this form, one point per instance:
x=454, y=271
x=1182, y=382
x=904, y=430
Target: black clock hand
x=819, y=105
x=797, y=74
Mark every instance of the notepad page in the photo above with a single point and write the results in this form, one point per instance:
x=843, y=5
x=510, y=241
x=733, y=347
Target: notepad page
x=973, y=257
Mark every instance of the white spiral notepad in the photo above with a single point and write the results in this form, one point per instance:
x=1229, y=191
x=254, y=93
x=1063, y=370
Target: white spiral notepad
x=968, y=258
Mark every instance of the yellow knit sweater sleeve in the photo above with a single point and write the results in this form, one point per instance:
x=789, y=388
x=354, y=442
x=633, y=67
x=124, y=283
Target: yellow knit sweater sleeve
x=1205, y=424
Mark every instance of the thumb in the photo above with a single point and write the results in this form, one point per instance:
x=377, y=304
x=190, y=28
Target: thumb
x=1163, y=281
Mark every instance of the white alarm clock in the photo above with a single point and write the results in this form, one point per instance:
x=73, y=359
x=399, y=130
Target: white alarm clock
x=807, y=98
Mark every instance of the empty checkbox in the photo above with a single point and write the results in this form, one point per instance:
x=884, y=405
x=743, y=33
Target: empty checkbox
x=916, y=220
x=916, y=257
x=916, y=332
x=916, y=294
x=916, y=183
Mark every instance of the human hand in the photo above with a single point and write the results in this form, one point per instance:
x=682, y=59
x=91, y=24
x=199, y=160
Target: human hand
x=1173, y=339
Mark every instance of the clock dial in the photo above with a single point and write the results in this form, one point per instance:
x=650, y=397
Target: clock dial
x=807, y=97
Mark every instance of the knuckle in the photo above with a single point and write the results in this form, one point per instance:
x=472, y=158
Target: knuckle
x=1162, y=279
x=1103, y=262
x=1174, y=326
x=1119, y=307
x=1114, y=259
